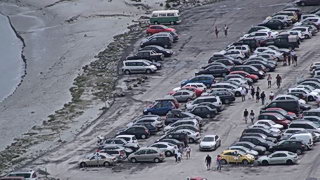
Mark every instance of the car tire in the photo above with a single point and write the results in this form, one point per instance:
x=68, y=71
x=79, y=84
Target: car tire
x=226, y=101
x=310, y=98
x=168, y=153
x=265, y=163
x=165, y=46
x=208, y=116
x=245, y=162
x=106, y=164
x=127, y=72
x=289, y=162
x=238, y=94
x=148, y=71
x=83, y=165
x=133, y=160
x=223, y=161
x=156, y=22
x=191, y=140
x=172, y=23
x=143, y=136
x=299, y=151
x=156, y=160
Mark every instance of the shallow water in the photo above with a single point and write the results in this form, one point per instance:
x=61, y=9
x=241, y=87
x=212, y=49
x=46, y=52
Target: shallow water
x=11, y=63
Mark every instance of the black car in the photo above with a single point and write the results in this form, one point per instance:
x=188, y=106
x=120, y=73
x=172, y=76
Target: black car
x=251, y=42
x=273, y=24
x=260, y=149
x=255, y=28
x=215, y=70
x=140, y=132
x=214, y=63
x=281, y=43
x=173, y=141
x=177, y=114
x=203, y=111
x=288, y=105
x=260, y=67
x=287, y=116
x=158, y=49
x=249, y=69
x=257, y=141
x=262, y=131
x=226, y=97
x=271, y=139
x=164, y=42
x=147, y=54
x=291, y=145
x=152, y=129
x=269, y=66
x=180, y=136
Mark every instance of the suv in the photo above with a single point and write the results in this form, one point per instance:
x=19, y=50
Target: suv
x=164, y=42
x=147, y=54
x=295, y=146
x=28, y=174
x=138, y=66
x=139, y=131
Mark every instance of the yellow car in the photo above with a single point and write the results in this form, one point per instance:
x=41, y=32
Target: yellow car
x=233, y=156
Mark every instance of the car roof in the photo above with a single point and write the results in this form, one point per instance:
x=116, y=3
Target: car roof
x=226, y=151
x=210, y=135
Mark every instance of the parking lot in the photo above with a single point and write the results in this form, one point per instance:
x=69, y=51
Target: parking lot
x=196, y=45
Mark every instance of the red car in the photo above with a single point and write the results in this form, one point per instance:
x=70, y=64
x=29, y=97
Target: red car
x=196, y=90
x=246, y=75
x=153, y=29
x=288, y=115
x=275, y=117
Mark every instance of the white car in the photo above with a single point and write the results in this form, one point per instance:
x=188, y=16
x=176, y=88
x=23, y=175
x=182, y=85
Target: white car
x=210, y=142
x=289, y=97
x=305, y=16
x=211, y=99
x=289, y=132
x=304, y=30
x=153, y=120
x=245, y=150
x=193, y=136
x=278, y=157
x=235, y=53
x=165, y=147
x=245, y=49
x=192, y=122
x=27, y=174
x=275, y=53
x=269, y=123
x=130, y=139
x=240, y=81
x=236, y=90
x=297, y=33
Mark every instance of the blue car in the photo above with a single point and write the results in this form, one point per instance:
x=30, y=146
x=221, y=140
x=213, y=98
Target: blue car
x=160, y=108
x=206, y=79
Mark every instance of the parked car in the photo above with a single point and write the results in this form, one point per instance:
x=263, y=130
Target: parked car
x=203, y=111
x=120, y=142
x=305, y=137
x=288, y=115
x=98, y=159
x=173, y=141
x=260, y=149
x=211, y=99
x=312, y=112
x=160, y=108
x=141, y=132
x=180, y=136
x=131, y=141
x=147, y=154
x=288, y=105
x=275, y=117
x=274, y=24
x=210, y=142
x=233, y=156
x=305, y=124
x=118, y=152
x=236, y=90
x=295, y=146
x=165, y=147
x=249, y=69
x=184, y=126
x=164, y=42
x=193, y=136
x=226, y=97
x=307, y=2
x=158, y=49
x=206, y=79
x=215, y=70
x=244, y=74
x=138, y=66
x=25, y=174
x=184, y=95
x=244, y=150
x=260, y=135
x=262, y=131
x=278, y=157
x=269, y=123
x=147, y=54
x=192, y=122
x=152, y=29
x=289, y=132
x=165, y=17
x=152, y=119
x=257, y=141
x=177, y=114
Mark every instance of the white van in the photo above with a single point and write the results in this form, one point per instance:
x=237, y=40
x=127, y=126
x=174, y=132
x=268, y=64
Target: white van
x=306, y=138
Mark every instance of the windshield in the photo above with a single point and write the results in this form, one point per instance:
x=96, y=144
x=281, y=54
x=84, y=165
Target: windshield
x=25, y=175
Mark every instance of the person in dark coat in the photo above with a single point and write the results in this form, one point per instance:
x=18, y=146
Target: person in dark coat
x=262, y=96
x=257, y=96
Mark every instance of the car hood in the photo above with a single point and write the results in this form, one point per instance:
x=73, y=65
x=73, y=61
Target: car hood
x=207, y=143
x=171, y=29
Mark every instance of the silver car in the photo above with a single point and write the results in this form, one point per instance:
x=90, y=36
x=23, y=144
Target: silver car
x=184, y=95
x=147, y=154
x=279, y=157
x=138, y=66
x=165, y=147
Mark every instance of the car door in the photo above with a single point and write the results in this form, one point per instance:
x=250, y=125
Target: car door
x=141, y=155
x=150, y=155
x=185, y=96
x=178, y=95
x=275, y=158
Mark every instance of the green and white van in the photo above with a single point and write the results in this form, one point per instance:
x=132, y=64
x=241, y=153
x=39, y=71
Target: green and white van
x=165, y=17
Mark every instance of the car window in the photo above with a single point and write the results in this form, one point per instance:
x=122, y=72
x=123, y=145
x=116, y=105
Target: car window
x=151, y=151
x=141, y=152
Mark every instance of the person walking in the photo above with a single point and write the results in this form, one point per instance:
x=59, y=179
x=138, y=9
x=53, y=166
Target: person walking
x=258, y=89
x=245, y=115
x=252, y=116
x=252, y=92
x=262, y=96
x=257, y=96
x=243, y=94
x=216, y=31
x=226, y=28
x=188, y=152
x=176, y=151
x=318, y=101
x=219, y=163
x=279, y=80
x=289, y=58
x=269, y=78
x=208, y=162
x=271, y=96
x=294, y=58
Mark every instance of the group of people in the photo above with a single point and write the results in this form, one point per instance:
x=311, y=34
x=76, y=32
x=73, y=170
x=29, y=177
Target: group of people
x=278, y=80
x=290, y=58
x=178, y=152
x=246, y=115
x=208, y=160
x=225, y=29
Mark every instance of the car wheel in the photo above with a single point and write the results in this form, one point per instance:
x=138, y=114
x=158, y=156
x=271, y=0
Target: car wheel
x=168, y=153
x=208, y=116
x=226, y=101
x=264, y=163
x=223, y=161
x=191, y=140
x=237, y=94
x=83, y=164
x=156, y=22
x=148, y=71
x=166, y=46
x=106, y=164
x=143, y=136
x=127, y=72
x=245, y=162
x=156, y=160
x=310, y=98
x=289, y=162
x=299, y=151
x=172, y=23
x=133, y=160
